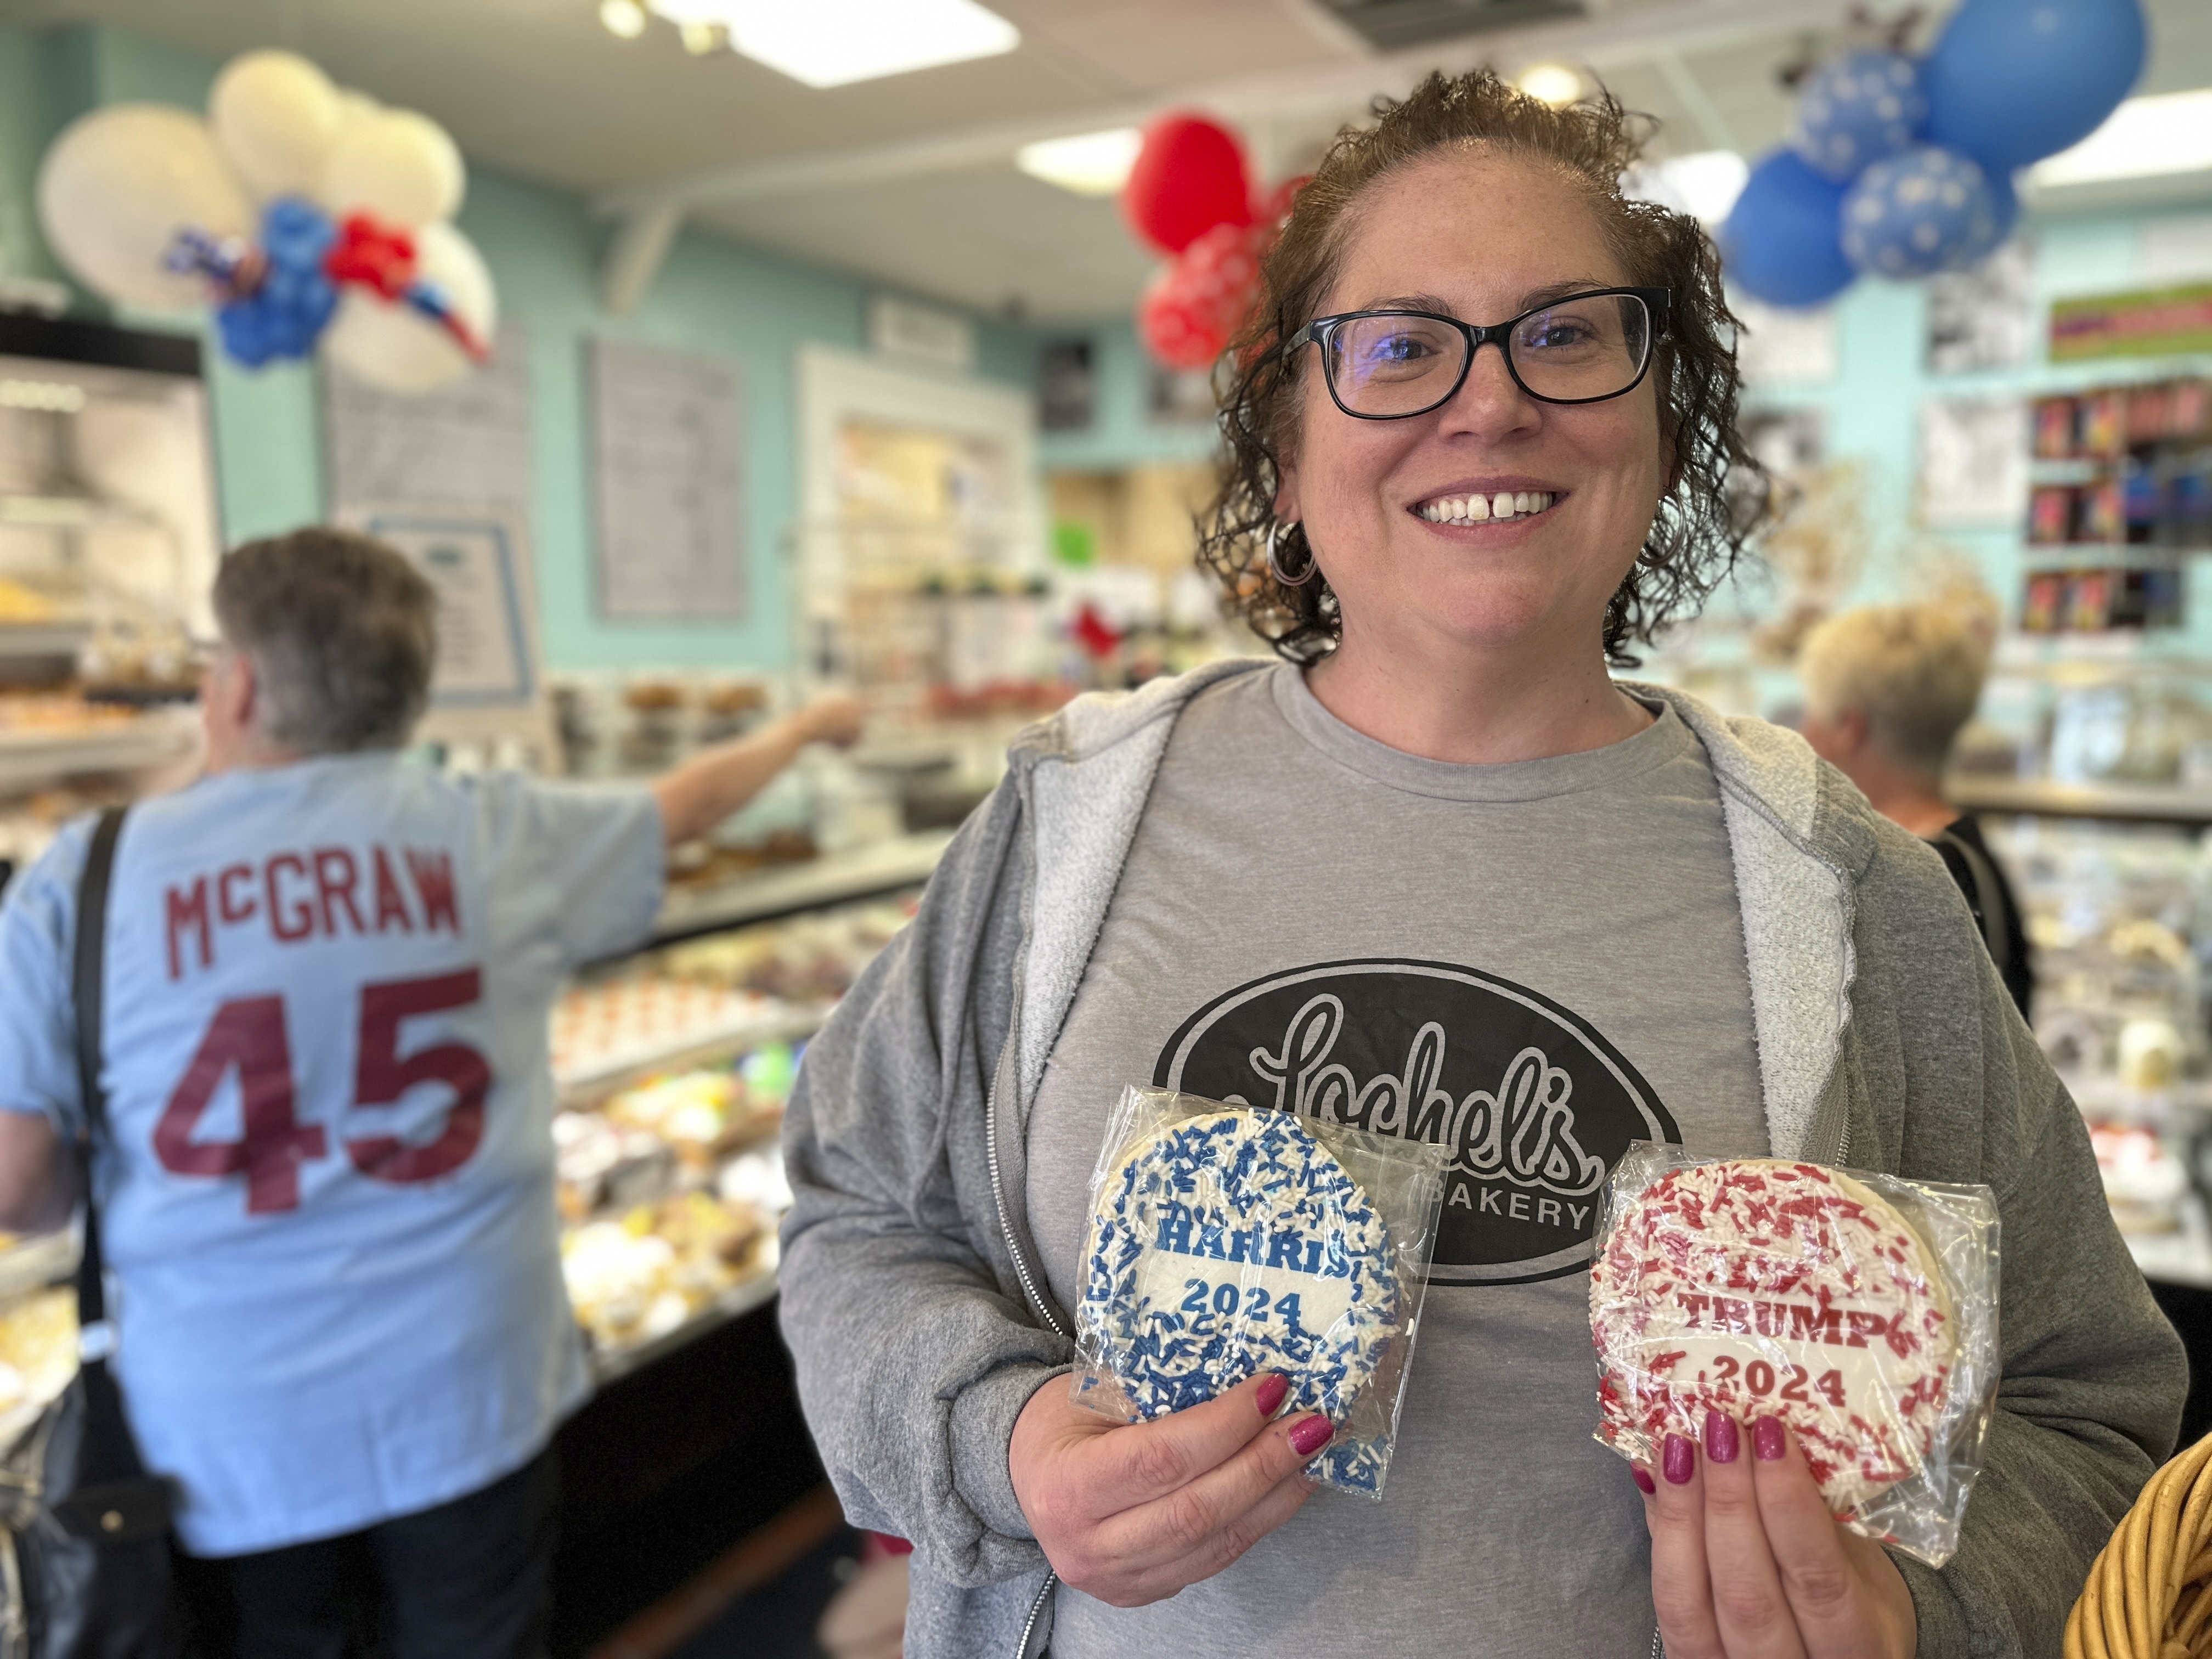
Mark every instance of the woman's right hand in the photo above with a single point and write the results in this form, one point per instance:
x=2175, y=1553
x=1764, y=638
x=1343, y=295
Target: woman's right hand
x=1132, y=1512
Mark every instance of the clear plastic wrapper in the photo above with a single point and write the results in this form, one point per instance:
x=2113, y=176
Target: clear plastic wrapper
x=1226, y=1240
x=1859, y=1308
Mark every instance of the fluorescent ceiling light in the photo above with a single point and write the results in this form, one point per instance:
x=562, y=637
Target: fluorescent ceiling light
x=1090, y=164
x=834, y=43
x=1556, y=85
x=2171, y=132
x=623, y=19
x=1704, y=184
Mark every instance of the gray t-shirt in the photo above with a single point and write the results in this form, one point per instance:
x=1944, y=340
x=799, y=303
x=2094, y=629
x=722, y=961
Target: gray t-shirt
x=1555, y=943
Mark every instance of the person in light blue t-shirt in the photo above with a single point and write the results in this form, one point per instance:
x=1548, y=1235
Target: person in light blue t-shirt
x=327, y=1195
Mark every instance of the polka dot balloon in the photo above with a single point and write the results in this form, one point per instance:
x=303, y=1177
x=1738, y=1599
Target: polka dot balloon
x=1926, y=210
x=1858, y=109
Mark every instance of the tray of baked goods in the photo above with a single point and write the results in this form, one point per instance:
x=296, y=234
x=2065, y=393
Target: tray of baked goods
x=685, y=1005
x=669, y=1194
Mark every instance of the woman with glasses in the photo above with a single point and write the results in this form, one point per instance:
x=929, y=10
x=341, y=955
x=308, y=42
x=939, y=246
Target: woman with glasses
x=1434, y=870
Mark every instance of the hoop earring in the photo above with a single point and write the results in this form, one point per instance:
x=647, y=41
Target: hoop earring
x=1274, y=565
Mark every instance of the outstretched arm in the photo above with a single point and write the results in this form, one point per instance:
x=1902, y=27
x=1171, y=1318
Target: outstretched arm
x=710, y=785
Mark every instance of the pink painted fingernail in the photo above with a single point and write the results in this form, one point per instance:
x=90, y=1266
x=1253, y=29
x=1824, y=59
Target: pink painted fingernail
x=1768, y=1442
x=1678, y=1460
x=1269, y=1395
x=1643, y=1481
x=1311, y=1436
x=1722, y=1443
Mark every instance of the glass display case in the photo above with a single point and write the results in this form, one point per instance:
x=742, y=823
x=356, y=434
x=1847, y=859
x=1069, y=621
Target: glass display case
x=108, y=545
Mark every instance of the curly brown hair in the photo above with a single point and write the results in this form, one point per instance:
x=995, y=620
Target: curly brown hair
x=1716, y=493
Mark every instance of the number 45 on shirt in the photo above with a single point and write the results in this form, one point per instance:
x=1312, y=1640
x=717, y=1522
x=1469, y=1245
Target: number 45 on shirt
x=248, y=1033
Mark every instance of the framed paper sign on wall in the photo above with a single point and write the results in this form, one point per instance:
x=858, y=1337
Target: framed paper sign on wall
x=667, y=477
x=488, y=682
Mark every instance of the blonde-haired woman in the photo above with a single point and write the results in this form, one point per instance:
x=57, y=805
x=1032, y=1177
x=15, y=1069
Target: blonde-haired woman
x=1888, y=688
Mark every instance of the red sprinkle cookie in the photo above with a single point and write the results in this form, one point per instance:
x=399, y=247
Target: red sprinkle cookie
x=1765, y=1288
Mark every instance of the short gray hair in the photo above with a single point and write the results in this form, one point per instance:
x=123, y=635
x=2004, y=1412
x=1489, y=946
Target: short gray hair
x=1914, y=671
x=341, y=632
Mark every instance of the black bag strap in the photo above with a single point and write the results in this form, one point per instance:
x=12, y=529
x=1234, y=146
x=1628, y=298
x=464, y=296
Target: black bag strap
x=1989, y=903
x=86, y=983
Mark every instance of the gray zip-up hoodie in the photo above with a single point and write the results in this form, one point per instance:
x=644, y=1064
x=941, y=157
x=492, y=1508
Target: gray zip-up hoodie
x=921, y=1322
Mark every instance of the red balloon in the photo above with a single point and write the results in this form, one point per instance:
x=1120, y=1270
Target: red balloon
x=1189, y=177
x=1195, y=305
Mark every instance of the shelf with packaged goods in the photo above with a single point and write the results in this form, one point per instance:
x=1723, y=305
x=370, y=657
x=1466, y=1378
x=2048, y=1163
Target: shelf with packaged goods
x=33, y=759
x=2138, y=803
x=19, y=640
x=581, y=1088
x=833, y=879
x=2181, y=1257
x=23, y=511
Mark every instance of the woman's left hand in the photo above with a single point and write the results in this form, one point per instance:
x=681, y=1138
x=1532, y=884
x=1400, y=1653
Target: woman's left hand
x=1747, y=1562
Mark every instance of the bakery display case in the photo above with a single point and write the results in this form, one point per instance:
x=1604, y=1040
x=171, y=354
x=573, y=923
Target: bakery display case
x=672, y=1067
x=2120, y=915
x=107, y=547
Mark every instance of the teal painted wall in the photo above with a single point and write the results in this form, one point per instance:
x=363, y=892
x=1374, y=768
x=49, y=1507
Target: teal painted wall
x=544, y=249
x=1121, y=433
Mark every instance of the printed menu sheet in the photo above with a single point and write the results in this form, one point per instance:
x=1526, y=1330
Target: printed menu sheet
x=667, y=435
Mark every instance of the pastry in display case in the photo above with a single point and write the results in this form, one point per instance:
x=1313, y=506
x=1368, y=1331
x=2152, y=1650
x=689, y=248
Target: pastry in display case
x=669, y=1192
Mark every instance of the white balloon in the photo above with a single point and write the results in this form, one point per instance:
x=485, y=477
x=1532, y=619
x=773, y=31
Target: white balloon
x=276, y=116
x=391, y=345
x=396, y=165
x=355, y=106
x=116, y=187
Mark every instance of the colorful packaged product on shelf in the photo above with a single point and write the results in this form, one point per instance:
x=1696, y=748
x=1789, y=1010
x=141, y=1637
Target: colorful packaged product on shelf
x=2104, y=418
x=2103, y=516
x=2051, y=515
x=2054, y=429
x=1860, y=1310
x=1226, y=1240
x=2089, y=604
x=2042, y=609
x=2189, y=410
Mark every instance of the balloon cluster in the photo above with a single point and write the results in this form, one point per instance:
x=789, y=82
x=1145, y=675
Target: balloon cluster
x=1188, y=196
x=305, y=214
x=1902, y=168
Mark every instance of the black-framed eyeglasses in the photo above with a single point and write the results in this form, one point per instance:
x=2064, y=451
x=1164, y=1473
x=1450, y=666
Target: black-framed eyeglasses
x=1581, y=349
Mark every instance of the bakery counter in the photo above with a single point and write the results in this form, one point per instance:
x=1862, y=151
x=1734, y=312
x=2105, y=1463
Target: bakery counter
x=832, y=878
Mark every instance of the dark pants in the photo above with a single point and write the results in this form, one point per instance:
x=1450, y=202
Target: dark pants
x=471, y=1579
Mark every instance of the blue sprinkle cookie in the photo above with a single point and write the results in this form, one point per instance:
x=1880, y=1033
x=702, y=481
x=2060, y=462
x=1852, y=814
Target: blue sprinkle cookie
x=1235, y=1243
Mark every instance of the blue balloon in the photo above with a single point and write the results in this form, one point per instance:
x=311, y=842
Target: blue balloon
x=2004, y=212
x=1854, y=110
x=1927, y=210
x=288, y=312
x=296, y=234
x=1780, y=242
x=2010, y=81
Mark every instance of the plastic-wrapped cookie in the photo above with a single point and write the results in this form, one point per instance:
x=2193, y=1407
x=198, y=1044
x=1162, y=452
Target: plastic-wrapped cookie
x=1761, y=1287
x=1232, y=1242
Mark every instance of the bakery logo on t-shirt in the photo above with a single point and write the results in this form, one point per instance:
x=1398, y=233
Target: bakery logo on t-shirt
x=1536, y=1106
